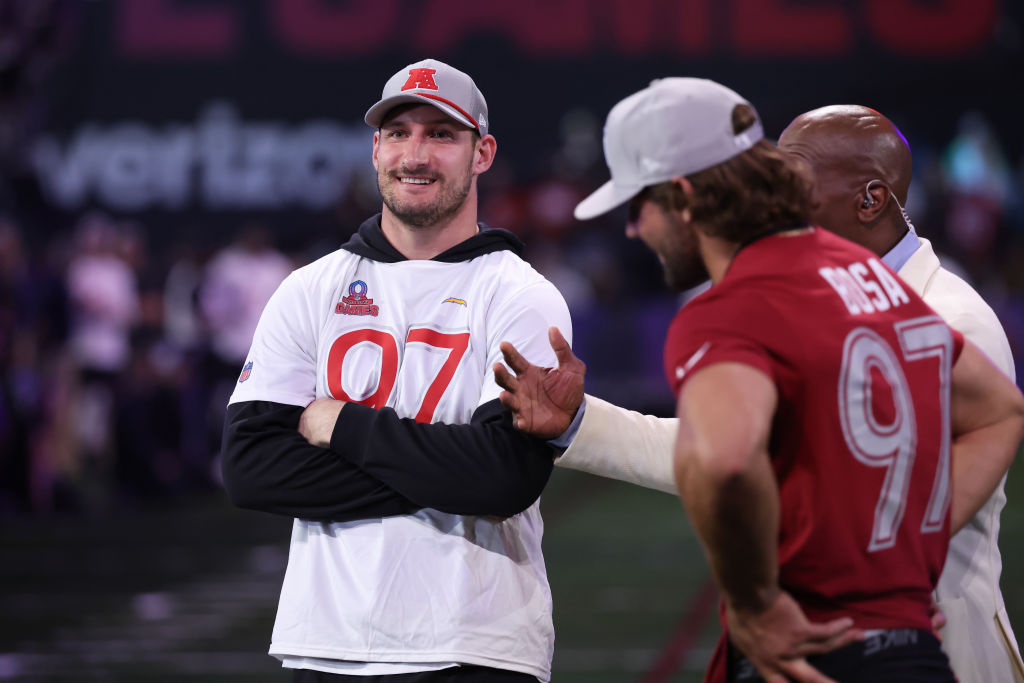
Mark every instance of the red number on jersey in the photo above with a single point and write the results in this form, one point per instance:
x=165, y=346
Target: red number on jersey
x=455, y=344
x=388, y=371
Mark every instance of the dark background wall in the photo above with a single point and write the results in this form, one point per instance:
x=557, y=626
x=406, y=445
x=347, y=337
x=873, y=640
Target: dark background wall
x=164, y=162
x=129, y=94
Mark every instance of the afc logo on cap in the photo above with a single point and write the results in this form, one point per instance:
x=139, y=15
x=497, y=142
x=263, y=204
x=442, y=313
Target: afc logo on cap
x=422, y=79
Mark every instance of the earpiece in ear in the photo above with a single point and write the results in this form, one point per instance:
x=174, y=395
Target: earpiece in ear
x=869, y=201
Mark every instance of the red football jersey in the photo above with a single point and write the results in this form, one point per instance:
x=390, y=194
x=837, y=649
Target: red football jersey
x=860, y=441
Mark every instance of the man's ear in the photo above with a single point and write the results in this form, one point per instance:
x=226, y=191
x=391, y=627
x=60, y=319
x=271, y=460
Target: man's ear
x=872, y=202
x=486, y=148
x=684, y=184
x=376, y=142
x=685, y=190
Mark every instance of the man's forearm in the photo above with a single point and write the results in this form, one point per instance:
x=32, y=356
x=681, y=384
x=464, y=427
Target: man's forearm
x=980, y=461
x=268, y=466
x=736, y=518
x=625, y=445
x=725, y=478
x=486, y=467
x=987, y=420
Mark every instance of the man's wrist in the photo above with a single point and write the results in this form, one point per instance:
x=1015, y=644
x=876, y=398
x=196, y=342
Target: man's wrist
x=564, y=440
x=753, y=600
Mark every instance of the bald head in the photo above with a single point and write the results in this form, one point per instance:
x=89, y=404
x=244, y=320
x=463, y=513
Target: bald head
x=844, y=148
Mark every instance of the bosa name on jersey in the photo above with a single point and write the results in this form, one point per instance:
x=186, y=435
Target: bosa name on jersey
x=865, y=287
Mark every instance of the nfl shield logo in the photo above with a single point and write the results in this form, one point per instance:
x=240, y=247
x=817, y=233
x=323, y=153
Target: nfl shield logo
x=246, y=371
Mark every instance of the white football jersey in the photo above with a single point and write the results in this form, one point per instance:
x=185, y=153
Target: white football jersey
x=419, y=337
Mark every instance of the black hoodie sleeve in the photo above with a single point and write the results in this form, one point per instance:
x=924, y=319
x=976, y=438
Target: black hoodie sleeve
x=380, y=465
x=268, y=466
x=486, y=467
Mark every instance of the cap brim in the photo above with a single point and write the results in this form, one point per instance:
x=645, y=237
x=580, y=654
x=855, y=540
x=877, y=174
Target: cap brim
x=604, y=199
x=375, y=115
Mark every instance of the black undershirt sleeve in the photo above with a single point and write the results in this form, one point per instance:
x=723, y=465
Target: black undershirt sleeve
x=486, y=467
x=268, y=466
x=380, y=465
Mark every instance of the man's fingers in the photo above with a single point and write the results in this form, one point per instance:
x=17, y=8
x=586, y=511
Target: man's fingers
x=563, y=352
x=841, y=639
x=510, y=401
x=304, y=426
x=821, y=631
x=829, y=630
x=938, y=618
x=504, y=378
x=829, y=636
x=514, y=358
x=317, y=421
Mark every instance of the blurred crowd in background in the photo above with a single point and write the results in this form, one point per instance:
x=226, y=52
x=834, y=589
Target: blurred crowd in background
x=117, y=359
x=120, y=342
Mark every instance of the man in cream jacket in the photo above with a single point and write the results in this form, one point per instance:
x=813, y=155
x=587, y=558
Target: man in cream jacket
x=861, y=168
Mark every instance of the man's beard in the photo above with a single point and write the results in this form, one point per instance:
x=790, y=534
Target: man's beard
x=684, y=268
x=681, y=276
x=449, y=200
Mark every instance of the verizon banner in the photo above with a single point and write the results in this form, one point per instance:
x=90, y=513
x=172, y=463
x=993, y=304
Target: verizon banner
x=219, y=161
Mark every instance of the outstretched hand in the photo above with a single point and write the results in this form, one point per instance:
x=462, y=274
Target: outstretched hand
x=778, y=639
x=543, y=401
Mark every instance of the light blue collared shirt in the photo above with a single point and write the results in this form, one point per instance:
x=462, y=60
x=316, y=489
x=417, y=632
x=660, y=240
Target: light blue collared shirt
x=898, y=256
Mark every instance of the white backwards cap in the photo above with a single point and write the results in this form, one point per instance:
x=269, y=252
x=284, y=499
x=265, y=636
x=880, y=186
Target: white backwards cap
x=672, y=128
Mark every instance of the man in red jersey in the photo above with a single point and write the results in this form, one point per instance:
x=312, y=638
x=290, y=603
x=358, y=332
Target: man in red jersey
x=861, y=168
x=814, y=401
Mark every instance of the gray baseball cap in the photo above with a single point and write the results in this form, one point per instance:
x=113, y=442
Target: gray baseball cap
x=672, y=128
x=433, y=82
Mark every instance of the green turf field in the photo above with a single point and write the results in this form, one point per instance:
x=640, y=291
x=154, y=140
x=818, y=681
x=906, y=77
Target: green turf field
x=624, y=566
x=188, y=593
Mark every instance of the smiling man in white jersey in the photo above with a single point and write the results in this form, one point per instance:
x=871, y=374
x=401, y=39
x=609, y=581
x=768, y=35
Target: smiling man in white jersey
x=367, y=411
